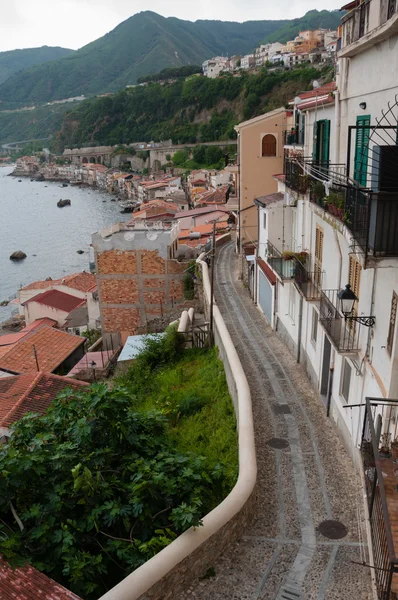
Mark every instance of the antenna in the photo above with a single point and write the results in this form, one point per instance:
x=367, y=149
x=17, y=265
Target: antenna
x=36, y=359
x=315, y=84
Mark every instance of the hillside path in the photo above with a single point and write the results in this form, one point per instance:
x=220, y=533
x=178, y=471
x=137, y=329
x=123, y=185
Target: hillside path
x=282, y=555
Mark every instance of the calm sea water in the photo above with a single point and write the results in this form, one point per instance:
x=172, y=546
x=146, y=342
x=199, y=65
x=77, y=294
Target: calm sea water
x=31, y=221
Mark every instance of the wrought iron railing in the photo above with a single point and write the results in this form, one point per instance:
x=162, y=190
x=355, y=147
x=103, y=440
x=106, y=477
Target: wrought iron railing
x=308, y=282
x=379, y=472
x=293, y=137
x=301, y=172
x=391, y=9
x=284, y=267
x=343, y=334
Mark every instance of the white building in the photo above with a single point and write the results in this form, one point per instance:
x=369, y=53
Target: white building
x=214, y=66
x=339, y=210
x=248, y=61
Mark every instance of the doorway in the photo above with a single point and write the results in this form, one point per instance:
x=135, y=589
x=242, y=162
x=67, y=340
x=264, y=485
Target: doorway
x=327, y=348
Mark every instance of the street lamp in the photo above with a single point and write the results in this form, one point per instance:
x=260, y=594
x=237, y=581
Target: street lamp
x=347, y=300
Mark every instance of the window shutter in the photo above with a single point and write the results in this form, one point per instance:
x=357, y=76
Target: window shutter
x=361, y=150
x=315, y=143
x=318, y=256
x=326, y=142
x=393, y=319
x=269, y=145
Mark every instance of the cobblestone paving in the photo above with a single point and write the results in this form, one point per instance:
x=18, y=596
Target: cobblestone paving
x=282, y=555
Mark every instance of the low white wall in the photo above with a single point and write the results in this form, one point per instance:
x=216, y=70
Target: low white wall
x=175, y=567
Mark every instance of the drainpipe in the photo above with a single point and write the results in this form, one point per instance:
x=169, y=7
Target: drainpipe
x=341, y=259
x=337, y=112
x=300, y=326
x=330, y=386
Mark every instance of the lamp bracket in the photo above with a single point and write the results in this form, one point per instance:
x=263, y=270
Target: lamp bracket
x=366, y=321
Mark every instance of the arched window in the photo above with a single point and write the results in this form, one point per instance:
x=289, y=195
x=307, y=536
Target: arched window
x=268, y=145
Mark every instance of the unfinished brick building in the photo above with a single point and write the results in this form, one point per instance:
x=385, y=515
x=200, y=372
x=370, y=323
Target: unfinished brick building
x=138, y=277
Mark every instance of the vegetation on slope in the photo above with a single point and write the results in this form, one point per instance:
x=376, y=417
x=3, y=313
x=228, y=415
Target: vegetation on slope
x=172, y=73
x=197, y=109
x=121, y=471
x=144, y=44
x=21, y=125
x=14, y=61
x=313, y=19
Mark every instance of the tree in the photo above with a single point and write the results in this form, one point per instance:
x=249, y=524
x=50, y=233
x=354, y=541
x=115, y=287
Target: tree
x=199, y=154
x=180, y=158
x=213, y=155
x=93, y=489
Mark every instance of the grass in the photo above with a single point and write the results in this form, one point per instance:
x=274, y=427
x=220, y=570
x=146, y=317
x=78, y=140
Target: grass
x=193, y=394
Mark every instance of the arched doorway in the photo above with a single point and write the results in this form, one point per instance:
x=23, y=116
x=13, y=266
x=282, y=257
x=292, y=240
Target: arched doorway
x=85, y=160
x=92, y=160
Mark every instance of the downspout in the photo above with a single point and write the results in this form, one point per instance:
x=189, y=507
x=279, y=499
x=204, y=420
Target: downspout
x=337, y=112
x=300, y=327
x=333, y=352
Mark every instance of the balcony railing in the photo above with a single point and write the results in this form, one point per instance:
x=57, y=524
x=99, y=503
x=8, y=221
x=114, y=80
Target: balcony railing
x=300, y=173
x=381, y=490
x=344, y=335
x=309, y=283
x=282, y=266
x=293, y=137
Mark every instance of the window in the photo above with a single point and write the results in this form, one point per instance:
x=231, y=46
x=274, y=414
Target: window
x=318, y=256
x=292, y=302
x=314, y=327
x=362, y=149
x=354, y=279
x=268, y=145
x=265, y=220
x=346, y=380
x=393, y=318
x=321, y=142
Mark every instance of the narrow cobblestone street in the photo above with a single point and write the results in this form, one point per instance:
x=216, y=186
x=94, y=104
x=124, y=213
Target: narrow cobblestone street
x=283, y=555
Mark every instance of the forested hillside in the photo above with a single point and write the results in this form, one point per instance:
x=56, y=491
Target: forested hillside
x=311, y=20
x=17, y=60
x=195, y=109
x=144, y=44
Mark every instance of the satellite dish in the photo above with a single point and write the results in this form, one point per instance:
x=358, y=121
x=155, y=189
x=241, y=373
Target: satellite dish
x=315, y=84
x=297, y=100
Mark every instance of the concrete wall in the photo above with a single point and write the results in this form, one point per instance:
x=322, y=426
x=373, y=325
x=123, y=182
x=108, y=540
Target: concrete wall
x=34, y=310
x=172, y=570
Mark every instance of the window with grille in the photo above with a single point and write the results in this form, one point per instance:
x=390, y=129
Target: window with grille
x=346, y=380
x=393, y=318
x=314, y=327
x=318, y=256
x=268, y=145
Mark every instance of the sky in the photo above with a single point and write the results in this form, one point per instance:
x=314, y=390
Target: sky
x=74, y=23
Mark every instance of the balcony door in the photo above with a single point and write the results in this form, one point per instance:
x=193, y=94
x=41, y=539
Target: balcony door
x=362, y=150
x=321, y=148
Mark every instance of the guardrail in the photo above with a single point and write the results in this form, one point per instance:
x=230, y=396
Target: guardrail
x=176, y=566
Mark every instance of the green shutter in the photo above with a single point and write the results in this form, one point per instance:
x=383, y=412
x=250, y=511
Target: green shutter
x=321, y=142
x=326, y=142
x=361, y=150
x=315, y=143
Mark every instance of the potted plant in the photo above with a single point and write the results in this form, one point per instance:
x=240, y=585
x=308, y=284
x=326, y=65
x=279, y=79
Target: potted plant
x=394, y=449
x=335, y=204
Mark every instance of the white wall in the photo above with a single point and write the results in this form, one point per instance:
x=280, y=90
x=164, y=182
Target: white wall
x=34, y=310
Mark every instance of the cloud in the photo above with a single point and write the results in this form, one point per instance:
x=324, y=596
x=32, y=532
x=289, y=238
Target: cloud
x=74, y=23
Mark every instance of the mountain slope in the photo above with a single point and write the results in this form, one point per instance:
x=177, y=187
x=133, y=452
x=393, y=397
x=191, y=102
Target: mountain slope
x=17, y=60
x=144, y=44
x=312, y=20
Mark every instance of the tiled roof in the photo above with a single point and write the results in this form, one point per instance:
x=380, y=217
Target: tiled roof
x=83, y=282
x=30, y=392
x=12, y=338
x=39, y=323
x=52, y=348
x=101, y=360
x=58, y=300
x=27, y=583
x=268, y=272
x=320, y=91
x=200, y=211
x=270, y=198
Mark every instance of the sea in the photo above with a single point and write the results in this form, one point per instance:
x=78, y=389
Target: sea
x=50, y=236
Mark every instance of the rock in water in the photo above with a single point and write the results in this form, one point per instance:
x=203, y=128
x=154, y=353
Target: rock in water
x=18, y=255
x=62, y=203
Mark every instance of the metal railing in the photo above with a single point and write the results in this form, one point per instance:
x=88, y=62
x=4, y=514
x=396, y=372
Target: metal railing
x=344, y=337
x=378, y=416
x=303, y=173
x=284, y=267
x=309, y=283
x=293, y=137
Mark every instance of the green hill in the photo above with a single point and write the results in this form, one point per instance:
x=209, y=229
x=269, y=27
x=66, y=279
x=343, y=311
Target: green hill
x=17, y=60
x=313, y=19
x=144, y=44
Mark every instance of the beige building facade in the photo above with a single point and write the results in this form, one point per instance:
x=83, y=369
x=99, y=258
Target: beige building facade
x=260, y=157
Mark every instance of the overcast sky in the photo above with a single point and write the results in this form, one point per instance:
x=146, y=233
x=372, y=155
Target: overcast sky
x=74, y=23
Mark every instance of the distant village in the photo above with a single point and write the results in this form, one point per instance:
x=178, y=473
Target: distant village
x=319, y=45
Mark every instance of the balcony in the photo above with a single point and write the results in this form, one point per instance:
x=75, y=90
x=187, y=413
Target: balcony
x=293, y=137
x=380, y=475
x=300, y=173
x=283, y=267
x=343, y=335
x=309, y=283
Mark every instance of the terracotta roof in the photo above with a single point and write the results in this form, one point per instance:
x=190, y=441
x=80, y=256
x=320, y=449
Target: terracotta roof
x=280, y=177
x=83, y=282
x=200, y=211
x=39, y=323
x=206, y=229
x=101, y=360
x=268, y=272
x=320, y=91
x=11, y=338
x=27, y=583
x=58, y=300
x=52, y=347
x=30, y=392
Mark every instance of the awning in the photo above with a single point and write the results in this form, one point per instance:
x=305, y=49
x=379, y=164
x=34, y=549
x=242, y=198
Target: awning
x=268, y=272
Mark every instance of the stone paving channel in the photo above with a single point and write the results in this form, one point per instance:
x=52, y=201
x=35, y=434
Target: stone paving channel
x=310, y=479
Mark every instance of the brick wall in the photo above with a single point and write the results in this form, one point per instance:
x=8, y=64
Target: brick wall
x=152, y=263
x=119, y=291
x=120, y=319
x=117, y=261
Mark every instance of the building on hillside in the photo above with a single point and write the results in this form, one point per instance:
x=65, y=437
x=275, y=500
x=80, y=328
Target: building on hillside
x=327, y=257
x=248, y=61
x=30, y=393
x=43, y=349
x=81, y=285
x=260, y=156
x=138, y=277
x=234, y=63
x=52, y=304
x=214, y=66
